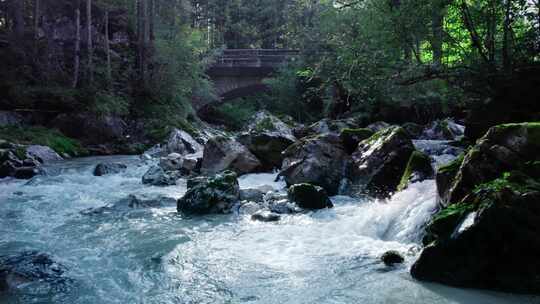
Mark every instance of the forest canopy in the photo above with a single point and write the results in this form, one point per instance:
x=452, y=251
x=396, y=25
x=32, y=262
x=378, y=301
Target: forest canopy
x=149, y=57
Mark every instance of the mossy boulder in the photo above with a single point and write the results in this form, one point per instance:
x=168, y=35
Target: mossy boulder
x=486, y=235
x=489, y=240
x=210, y=195
x=379, y=162
x=319, y=160
x=418, y=168
x=267, y=137
x=308, y=196
x=352, y=137
x=504, y=148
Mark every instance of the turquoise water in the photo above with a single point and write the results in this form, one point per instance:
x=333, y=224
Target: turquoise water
x=158, y=256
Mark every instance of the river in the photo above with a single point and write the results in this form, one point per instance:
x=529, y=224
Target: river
x=155, y=255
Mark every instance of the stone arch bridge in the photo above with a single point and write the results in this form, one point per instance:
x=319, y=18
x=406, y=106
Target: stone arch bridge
x=240, y=72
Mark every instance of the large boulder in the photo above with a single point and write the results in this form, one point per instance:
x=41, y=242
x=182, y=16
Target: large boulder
x=181, y=142
x=486, y=235
x=308, y=196
x=91, y=128
x=156, y=176
x=319, y=160
x=489, y=240
x=15, y=162
x=380, y=161
x=224, y=153
x=267, y=137
x=43, y=154
x=32, y=269
x=504, y=148
x=210, y=195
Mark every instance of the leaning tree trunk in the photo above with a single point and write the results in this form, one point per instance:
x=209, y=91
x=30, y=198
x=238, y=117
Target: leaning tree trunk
x=77, y=55
x=89, y=40
x=507, y=60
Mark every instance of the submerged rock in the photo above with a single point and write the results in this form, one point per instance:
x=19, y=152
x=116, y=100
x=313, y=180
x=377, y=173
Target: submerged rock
x=130, y=203
x=156, y=176
x=392, y=257
x=266, y=216
x=308, y=196
x=267, y=137
x=109, y=168
x=210, y=195
x=17, y=271
x=224, y=153
x=318, y=160
x=252, y=195
x=380, y=161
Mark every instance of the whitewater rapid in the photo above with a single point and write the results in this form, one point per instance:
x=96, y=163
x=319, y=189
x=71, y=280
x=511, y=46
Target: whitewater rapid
x=155, y=255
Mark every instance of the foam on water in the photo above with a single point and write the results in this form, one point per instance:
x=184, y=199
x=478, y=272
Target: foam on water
x=157, y=256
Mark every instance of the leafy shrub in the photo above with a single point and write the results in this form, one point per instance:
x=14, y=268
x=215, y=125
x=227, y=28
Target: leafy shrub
x=45, y=137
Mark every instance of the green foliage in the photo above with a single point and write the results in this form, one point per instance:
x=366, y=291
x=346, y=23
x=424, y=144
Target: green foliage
x=236, y=114
x=454, y=165
x=45, y=137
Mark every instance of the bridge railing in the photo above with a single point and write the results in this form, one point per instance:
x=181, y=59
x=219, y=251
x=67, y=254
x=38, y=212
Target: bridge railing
x=254, y=58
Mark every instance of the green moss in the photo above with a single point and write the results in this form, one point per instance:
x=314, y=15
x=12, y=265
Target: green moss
x=20, y=152
x=445, y=221
x=265, y=125
x=45, y=137
x=418, y=162
x=453, y=166
x=516, y=181
x=386, y=133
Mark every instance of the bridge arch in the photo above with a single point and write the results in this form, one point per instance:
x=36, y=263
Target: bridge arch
x=238, y=73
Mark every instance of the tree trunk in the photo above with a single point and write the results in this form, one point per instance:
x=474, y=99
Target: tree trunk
x=152, y=19
x=475, y=39
x=437, y=22
x=37, y=13
x=107, y=48
x=507, y=60
x=89, y=40
x=17, y=9
x=141, y=39
x=77, y=55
